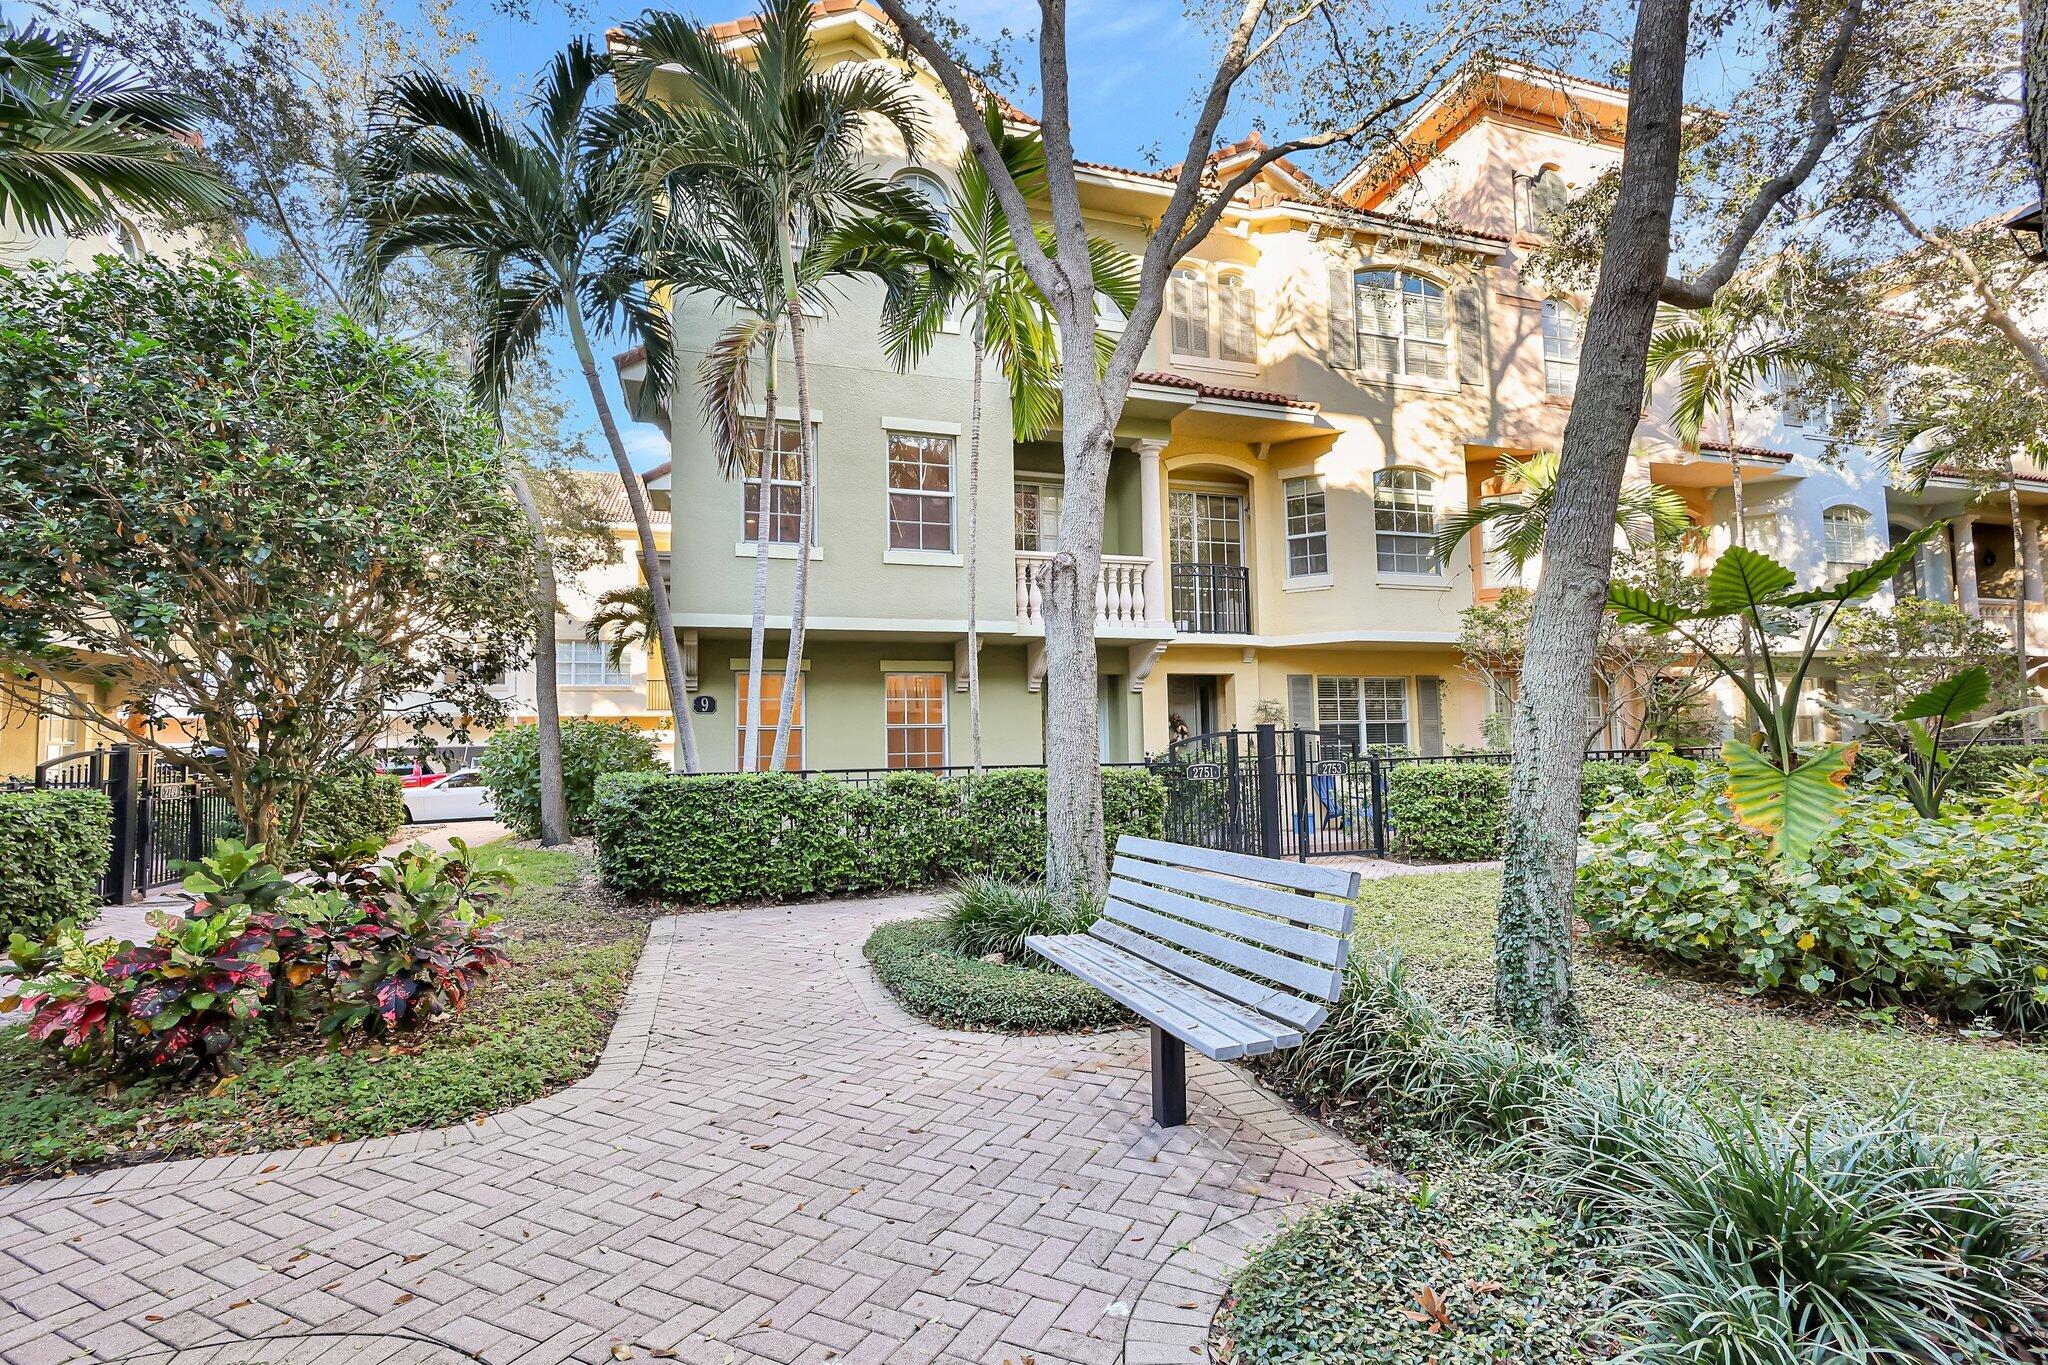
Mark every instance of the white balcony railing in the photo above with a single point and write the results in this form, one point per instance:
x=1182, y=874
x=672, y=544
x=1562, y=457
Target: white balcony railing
x=1119, y=589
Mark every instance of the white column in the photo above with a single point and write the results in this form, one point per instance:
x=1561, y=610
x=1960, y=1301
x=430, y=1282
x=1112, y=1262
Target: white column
x=1152, y=528
x=2029, y=531
x=1966, y=561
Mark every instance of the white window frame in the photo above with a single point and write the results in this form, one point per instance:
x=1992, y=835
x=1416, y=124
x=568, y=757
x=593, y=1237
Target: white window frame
x=777, y=549
x=1395, y=543
x=1043, y=485
x=1406, y=342
x=892, y=430
x=582, y=663
x=1563, y=332
x=765, y=738
x=943, y=725
x=1236, y=308
x=1188, y=288
x=1313, y=545
x=942, y=202
x=1342, y=702
x=1839, y=567
x=1495, y=568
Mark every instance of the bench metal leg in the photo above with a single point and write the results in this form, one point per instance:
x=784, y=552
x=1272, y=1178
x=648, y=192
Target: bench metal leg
x=1169, y=1079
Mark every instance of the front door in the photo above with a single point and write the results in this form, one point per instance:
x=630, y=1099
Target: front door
x=1192, y=705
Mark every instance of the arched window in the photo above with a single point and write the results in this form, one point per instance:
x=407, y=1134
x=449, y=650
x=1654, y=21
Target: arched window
x=1560, y=348
x=1547, y=198
x=932, y=190
x=129, y=240
x=1189, y=299
x=1404, y=521
x=1237, y=336
x=1845, y=531
x=1403, y=324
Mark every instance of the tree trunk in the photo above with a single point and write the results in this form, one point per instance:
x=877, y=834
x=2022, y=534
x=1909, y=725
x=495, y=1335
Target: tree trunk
x=974, y=541
x=806, y=524
x=547, y=705
x=1074, y=864
x=1533, y=941
x=684, y=758
x=757, y=635
x=1734, y=467
x=2034, y=87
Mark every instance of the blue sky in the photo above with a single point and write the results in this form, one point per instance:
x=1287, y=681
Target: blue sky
x=1132, y=62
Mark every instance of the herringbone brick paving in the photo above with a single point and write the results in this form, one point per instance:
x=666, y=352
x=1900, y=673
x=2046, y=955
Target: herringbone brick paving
x=772, y=1163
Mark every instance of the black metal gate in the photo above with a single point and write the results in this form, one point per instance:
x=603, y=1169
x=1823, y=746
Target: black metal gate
x=164, y=814
x=1280, y=793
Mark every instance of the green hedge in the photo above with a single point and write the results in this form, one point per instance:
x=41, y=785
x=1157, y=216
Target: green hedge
x=510, y=765
x=1456, y=812
x=1987, y=764
x=934, y=980
x=347, y=807
x=54, y=846
x=770, y=836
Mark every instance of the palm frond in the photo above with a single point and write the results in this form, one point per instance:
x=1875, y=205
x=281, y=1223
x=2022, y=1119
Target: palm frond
x=724, y=375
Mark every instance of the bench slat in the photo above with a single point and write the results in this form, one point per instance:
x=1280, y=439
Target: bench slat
x=1209, y=1022
x=1227, y=918
x=1305, y=977
x=1334, y=916
x=1191, y=1031
x=1318, y=880
x=1304, y=1016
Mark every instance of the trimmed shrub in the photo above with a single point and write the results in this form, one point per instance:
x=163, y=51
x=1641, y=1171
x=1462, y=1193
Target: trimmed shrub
x=54, y=846
x=350, y=807
x=1950, y=914
x=716, y=839
x=985, y=915
x=1457, y=812
x=917, y=961
x=510, y=765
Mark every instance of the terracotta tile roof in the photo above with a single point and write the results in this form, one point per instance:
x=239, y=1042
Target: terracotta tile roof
x=1752, y=452
x=1181, y=381
x=608, y=496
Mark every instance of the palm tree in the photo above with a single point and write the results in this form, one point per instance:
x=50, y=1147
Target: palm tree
x=549, y=235
x=78, y=142
x=1646, y=514
x=978, y=275
x=622, y=618
x=782, y=146
x=1723, y=354
x=547, y=698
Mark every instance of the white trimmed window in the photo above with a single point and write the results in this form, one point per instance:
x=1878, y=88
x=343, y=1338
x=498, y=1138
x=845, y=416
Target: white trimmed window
x=1361, y=713
x=920, y=492
x=932, y=190
x=1762, y=532
x=784, y=488
x=771, y=716
x=1846, y=533
x=1547, y=197
x=1560, y=348
x=1188, y=300
x=1404, y=521
x=1038, y=517
x=1501, y=571
x=1237, y=335
x=1403, y=324
x=1308, y=529
x=914, y=719
x=581, y=663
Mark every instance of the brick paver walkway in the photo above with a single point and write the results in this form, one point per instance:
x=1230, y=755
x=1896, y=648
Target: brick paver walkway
x=772, y=1163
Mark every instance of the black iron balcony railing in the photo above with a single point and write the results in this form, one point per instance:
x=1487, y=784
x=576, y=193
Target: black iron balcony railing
x=1212, y=599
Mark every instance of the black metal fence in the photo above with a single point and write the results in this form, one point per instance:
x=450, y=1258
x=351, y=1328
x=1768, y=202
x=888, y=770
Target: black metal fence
x=1212, y=599
x=164, y=814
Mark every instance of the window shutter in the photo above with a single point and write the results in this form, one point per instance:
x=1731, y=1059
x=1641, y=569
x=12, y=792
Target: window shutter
x=1301, y=701
x=1343, y=318
x=1471, y=306
x=1429, y=708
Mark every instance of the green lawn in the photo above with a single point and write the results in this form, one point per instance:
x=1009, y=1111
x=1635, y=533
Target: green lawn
x=536, y=1026
x=1783, y=1053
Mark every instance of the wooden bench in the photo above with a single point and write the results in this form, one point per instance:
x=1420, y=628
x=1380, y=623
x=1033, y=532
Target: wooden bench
x=1232, y=955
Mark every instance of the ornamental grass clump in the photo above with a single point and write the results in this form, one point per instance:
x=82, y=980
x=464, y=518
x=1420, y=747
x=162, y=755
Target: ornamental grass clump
x=986, y=916
x=366, y=949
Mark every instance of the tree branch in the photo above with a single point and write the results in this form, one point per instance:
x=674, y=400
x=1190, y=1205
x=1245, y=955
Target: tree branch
x=1823, y=123
x=1995, y=311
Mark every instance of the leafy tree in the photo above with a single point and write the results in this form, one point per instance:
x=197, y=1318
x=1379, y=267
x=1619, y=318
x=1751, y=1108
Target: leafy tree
x=1645, y=513
x=256, y=519
x=545, y=231
x=79, y=140
x=1884, y=657
x=981, y=280
x=763, y=157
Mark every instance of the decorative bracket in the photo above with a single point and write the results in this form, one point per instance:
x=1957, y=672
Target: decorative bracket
x=1034, y=665
x=689, y=642
x=1143, y=657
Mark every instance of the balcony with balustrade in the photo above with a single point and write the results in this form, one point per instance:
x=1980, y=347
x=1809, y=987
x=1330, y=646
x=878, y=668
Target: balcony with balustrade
x=1126, y=603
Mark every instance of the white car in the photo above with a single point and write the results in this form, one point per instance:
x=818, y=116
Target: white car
x=452, y=796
